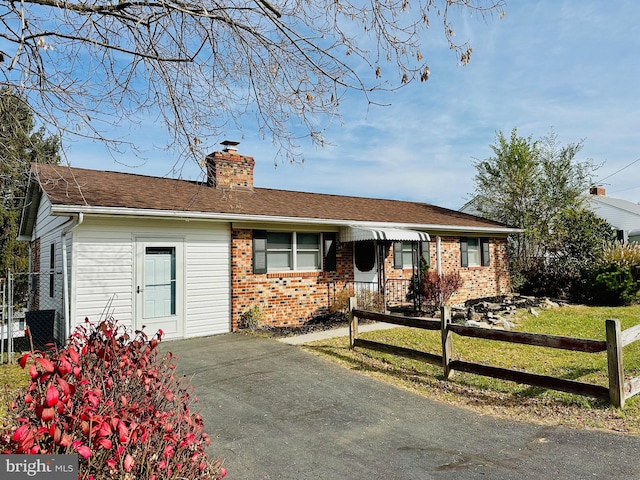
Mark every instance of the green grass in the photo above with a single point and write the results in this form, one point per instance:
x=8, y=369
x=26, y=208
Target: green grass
x=12, y=378
x=504, y=398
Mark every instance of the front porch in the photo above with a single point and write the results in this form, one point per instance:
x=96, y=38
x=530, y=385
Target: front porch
x=394, y=295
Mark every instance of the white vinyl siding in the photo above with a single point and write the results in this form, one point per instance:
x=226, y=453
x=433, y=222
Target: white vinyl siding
x=102, y=273
x=104, y=270
x=208, y=280
x=46, y=224
x=620, y=214
x=49, y=230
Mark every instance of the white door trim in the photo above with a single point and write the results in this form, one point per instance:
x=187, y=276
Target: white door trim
x=372, y=275
x=173, y=325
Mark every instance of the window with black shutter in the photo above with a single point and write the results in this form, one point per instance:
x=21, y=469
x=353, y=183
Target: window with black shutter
x=474, y=252
x=329, y=264
x=259, y=251
x=484, y=253
x=52, y=266
x=397, y=254
x=424, y=246
x=464, y=252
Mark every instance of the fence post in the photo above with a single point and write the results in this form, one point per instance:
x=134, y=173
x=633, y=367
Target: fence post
x=3, y=316
x=10, y=287
x=614, y=361
x=447, y=344
x=353, y=322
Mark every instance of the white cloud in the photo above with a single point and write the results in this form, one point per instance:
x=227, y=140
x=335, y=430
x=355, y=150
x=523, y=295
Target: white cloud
x=569, y=65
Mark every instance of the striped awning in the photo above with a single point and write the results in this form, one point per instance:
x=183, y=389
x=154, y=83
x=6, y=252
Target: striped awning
x=359, y=234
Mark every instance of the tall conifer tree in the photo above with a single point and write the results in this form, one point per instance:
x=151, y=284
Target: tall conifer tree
x=21, y=143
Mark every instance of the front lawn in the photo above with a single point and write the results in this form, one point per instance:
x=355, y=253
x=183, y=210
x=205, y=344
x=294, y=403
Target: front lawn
x=503, y=398
x=12, y=377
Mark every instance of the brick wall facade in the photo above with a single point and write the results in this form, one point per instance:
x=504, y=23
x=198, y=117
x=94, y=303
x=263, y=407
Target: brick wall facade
x=477, y=282
x=286, y=299
x=293, y=298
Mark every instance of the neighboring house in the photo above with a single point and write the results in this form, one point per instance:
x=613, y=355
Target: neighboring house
x=621, y=214
x=471, y=207
x=191, y=258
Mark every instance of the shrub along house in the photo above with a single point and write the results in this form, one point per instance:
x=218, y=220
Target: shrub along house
x=193, y=257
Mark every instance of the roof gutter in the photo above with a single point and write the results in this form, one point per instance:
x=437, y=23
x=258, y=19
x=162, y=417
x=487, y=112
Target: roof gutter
x=235, y=217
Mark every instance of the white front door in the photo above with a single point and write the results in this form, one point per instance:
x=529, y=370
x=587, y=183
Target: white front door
x=159, y=288
x=365, y=262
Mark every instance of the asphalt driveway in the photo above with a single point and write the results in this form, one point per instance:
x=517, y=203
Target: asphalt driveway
x=275, y=411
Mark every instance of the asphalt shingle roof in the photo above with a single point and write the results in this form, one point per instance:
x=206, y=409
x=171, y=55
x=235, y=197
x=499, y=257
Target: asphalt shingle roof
x=69, y=186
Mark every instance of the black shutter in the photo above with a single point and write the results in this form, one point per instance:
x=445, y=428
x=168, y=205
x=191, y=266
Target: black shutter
x=464, y=257
x=484, y=252
x=52, y=266
x=329, y=252
x=259, y=251
x=397, y=254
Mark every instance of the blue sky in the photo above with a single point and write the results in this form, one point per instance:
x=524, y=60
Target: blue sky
x=572, y=65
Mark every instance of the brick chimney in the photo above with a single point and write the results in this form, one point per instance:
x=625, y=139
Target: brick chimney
x=597, y=190
x=228, y=169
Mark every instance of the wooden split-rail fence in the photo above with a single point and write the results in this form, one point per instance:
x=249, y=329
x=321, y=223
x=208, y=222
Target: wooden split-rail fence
x=617, y=393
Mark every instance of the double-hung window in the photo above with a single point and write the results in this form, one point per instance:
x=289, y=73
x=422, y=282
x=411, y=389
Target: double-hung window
x=405, y=252
x=474, y=252
x=308, y=251
x=293, y=251
x=279, y=251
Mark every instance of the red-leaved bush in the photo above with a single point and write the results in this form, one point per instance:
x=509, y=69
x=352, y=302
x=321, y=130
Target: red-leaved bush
x=438, y=289
x=111, y=399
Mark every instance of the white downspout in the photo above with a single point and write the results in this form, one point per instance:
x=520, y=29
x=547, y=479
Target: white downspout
x=438, y=255
x=65, y=274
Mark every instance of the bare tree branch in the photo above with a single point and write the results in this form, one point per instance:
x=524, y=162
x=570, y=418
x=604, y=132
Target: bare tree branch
x=201, y=67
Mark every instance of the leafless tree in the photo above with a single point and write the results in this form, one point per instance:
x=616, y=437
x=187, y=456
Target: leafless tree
x=86, y=65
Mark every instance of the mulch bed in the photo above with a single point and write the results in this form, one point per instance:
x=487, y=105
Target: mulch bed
x=321, y=323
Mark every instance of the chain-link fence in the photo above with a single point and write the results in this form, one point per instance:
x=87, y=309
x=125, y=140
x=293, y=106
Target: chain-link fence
x=4, y=316
x=31, y=300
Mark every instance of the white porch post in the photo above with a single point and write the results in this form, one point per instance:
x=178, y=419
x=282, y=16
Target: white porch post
x=438, y=255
